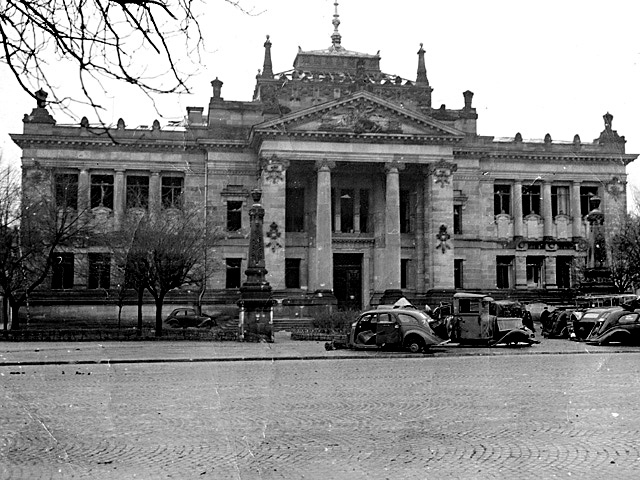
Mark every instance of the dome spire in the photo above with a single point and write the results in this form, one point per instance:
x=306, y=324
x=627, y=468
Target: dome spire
x=422, y=69
x=267, y=68
x=336, y=38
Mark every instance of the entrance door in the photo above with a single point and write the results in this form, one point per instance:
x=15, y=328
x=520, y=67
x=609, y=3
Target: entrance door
x=347, y=280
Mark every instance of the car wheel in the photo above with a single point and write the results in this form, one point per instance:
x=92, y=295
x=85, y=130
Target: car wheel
x=415, y=345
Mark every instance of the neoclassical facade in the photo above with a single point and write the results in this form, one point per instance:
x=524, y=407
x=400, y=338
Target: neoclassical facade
x=369, y=190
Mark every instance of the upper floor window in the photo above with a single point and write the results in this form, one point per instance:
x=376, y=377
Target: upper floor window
x=172, y=190
x=234, y=215
x=137, y=191
x=502, y=199
x=346, y=210
x=457, y=219
x=406, y=212
x=66, y=190
x=102, y=191
x=530, y=199
x=559, y=201
x=585, y=199
x=294, y=210
x=364, y=210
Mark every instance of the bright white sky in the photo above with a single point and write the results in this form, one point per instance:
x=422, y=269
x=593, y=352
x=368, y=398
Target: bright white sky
x=536, y=67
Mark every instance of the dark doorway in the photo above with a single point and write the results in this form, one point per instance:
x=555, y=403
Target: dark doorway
x=347, y=280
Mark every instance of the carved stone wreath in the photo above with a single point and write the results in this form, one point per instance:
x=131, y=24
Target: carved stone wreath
x=274, y=169
x=442, y=172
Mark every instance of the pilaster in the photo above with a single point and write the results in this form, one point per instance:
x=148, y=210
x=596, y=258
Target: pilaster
x=118, y=199
x=547, y=213
x=576, y=214
x=518, y=227
x=321, y=278
x=274, y=176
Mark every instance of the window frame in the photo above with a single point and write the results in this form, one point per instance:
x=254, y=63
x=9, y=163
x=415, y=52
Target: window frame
x=502, y=193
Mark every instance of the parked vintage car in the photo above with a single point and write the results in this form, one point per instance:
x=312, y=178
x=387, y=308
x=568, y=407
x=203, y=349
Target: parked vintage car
x=390, y=328
x=584, y=321
x=187, y=317
x=479, y=319
x=559, y=323
x=619, y=326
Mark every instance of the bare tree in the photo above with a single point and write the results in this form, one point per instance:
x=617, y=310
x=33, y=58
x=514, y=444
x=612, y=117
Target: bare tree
x=624, y=254
x=151, y=44
x=34, y=224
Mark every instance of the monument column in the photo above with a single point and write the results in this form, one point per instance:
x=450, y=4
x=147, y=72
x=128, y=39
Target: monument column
x=321, y=273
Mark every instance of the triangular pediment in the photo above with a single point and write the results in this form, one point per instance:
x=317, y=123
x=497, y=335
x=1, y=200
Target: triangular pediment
x=360, y=113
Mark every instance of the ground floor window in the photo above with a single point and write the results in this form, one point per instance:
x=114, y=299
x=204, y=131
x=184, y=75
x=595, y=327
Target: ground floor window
x=457, y=273
x=62, y=271
x=504, y=272
x=563, y=272
x=292, y=273
x=234, y=269
x=99, y=270
x=404, y=272
x=534, y=272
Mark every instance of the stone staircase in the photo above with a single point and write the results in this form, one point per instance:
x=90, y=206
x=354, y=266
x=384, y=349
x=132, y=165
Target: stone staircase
x=292, y=323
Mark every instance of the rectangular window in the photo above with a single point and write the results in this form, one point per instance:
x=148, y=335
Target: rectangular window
x=563, y=272
x=62, y=271
x=137, y=191
x=99, y=270
x=502, y=199
x=234, y=216
x=530, y=199
x=66, y=190
x=172, y=190
x=294, y=210
x=585, y=199
x=234, y=268
x=406, y=211
x=534, y=272
x=102, y=191
x=292, y=272
x=457, y=273
x=364, y=210
x=559, y=201
x=346, y=210
x=404, y=272
x=457, y=219
x=504, y=272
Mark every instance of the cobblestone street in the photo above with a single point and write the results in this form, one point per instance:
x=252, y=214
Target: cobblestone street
x=471, y=417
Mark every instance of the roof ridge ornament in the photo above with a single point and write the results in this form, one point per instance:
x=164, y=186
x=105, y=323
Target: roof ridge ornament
x=336, y=38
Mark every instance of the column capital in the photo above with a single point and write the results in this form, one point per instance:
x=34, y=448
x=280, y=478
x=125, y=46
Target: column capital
x=394, y=166
x=325, y=165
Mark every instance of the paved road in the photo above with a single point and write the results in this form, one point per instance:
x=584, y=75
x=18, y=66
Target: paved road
x=424, y=417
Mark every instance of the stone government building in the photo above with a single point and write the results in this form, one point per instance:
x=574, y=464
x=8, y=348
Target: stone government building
x=370, y=191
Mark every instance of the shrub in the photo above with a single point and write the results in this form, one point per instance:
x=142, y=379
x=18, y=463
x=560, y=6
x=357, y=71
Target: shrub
x=335, y=322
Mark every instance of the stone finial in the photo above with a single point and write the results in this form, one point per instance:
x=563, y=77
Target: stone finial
x=217, y=88
x=156, y=125
x=547, y=139
x=84, y=122
x=41, y=98
x=336, y=38
x=267, y=67
x=422, y=69
x=468, y=98
x=576, y=140
x=518, y=138
x=120, y=124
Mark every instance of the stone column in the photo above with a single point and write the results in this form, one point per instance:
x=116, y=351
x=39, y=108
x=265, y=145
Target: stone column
x=155, y=194
x=118, y=199
x=547, y=213
x=550, y=273
x=576, y=214
x=392, y=229
x=274, y=178
x=420, y=209
x=321, y=278
x=84, y=191
x=518, y=230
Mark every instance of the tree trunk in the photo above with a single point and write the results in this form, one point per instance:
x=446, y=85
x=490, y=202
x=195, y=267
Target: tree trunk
x=15, y=318
x=140, y=295
x=159, y=302
x=5, y=315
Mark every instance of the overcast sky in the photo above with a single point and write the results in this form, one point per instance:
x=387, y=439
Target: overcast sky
x=536, y=67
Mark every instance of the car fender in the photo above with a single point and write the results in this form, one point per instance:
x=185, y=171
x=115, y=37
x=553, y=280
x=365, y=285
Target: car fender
x=617, y=333
x=518, y=335
x=428, y=338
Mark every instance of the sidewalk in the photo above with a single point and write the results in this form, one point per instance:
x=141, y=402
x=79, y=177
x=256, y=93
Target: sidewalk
x=64, y=353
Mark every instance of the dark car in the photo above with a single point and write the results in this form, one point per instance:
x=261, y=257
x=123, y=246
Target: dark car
x=392, y=328
x=584, y=322
x=559, y=322
x=189, y=318
x=619, y=326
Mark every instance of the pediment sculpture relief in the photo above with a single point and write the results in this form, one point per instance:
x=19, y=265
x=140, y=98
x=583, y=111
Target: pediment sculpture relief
x=359, y=119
